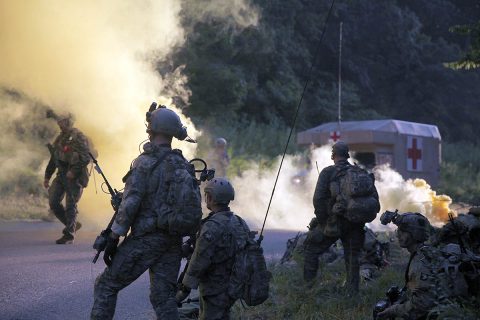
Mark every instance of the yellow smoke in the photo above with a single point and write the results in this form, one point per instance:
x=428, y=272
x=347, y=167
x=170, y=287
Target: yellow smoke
x=410, y=195
x=96, y=60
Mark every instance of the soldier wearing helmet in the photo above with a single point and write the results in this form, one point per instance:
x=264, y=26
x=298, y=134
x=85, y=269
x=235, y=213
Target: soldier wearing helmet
x=331, y=224
x=465, y=231
x=218, y=157
x=426, y=278
x=221, y=235
x=147, y=202
x=69, y=157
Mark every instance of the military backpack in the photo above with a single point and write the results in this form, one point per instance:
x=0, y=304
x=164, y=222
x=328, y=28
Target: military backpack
x=181, y=209
x=250, y=279
x=354, y=189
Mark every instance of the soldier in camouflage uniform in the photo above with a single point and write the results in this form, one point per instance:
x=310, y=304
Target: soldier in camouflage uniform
x=218, y=158
x=222, y=233
x=466, y=229
x=69, y=156
x=328, y=227
x=427, y=279
x=147, y=247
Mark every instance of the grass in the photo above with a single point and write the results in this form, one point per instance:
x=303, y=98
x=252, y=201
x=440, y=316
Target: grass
x=18, y=207
x=327, y=299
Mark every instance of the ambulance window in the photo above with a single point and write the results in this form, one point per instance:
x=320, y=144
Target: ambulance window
x=366, y=159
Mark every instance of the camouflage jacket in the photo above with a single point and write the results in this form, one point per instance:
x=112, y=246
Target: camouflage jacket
x=145, y=190
x=428, y=285
x=221, y=235
x=70, y=153
x=323, y=201
x=322, y=198
x=218, y=161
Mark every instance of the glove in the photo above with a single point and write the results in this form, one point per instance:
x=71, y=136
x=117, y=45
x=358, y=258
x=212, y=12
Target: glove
x=110, y=250
x=182, y=293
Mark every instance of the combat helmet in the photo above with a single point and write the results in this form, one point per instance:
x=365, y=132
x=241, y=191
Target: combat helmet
x=341, y=149
x=166, y=121
x=221, y=190
x=412, y=222
x=220, y=142
x=65, y=117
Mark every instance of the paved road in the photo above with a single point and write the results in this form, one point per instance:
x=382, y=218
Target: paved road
x=42, y=280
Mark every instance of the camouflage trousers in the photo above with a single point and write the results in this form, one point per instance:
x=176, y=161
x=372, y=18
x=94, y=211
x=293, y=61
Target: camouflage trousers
x=215, y=307
x=352, y=237
x=158, y=253
x=71, y=190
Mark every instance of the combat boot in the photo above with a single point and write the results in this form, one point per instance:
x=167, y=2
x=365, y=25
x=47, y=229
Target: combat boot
x=78, y=225
x=65, y=240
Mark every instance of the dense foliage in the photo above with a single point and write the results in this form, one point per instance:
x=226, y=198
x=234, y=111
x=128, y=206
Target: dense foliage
x=393, y=64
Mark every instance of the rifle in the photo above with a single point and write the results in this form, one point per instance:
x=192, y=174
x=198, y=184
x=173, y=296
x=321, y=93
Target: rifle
x=457, y=232
x=116, y=199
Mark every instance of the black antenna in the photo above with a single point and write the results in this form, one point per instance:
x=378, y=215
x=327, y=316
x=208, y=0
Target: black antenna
x=309, y=76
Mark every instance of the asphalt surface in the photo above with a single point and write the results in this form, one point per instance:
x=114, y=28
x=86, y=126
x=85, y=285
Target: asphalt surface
x=42, y=280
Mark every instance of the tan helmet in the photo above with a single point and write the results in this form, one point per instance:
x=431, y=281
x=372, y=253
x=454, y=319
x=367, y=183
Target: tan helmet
x=166, y=121
x=341, y=149
x=414, y=223
x=220, y=142
x=221, y=190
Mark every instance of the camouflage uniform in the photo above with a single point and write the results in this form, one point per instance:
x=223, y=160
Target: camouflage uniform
x=467, y=228
x=70, y=153
x=330, y=228
x=146, y=247
x=211, y=263
x=427, y=285
x=219, y=160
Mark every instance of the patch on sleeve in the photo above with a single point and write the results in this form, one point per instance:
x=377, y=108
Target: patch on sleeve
x=207, y=235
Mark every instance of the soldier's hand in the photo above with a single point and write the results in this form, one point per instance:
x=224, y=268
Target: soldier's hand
x=46, y=183
x=110, y=250
x=182, y=294
x=70, y=175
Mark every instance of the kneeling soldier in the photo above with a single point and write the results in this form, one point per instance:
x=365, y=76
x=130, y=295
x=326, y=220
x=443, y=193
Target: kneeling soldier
x=221, y=236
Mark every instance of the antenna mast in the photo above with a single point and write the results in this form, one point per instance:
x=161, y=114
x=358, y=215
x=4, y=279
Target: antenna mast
x=340, y=80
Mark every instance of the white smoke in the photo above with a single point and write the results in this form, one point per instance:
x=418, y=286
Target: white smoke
x=292, y=205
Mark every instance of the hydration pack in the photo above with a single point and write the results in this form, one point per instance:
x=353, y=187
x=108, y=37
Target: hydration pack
x=354, y=189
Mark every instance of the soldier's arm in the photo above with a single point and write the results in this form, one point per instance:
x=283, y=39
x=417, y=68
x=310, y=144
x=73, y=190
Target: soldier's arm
x=422, y=292
x=202, y=256
x=50, y=169
x=82, y=158
x=135, y=188
x=322, y=194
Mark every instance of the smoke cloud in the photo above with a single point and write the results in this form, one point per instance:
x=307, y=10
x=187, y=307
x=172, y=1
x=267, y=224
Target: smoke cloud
x=95, y=59
x=292, y=206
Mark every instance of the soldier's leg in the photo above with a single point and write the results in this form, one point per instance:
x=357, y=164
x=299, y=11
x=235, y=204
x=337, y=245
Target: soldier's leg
x=134, y=256
x=215, y=307
x=352, y=242
x=56, y=192
x=72, y=194
x=163, y=281
x=315, y=245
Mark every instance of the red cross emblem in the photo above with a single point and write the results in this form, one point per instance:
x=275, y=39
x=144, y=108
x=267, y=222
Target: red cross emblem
x=335, y=136
x=414, y=154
